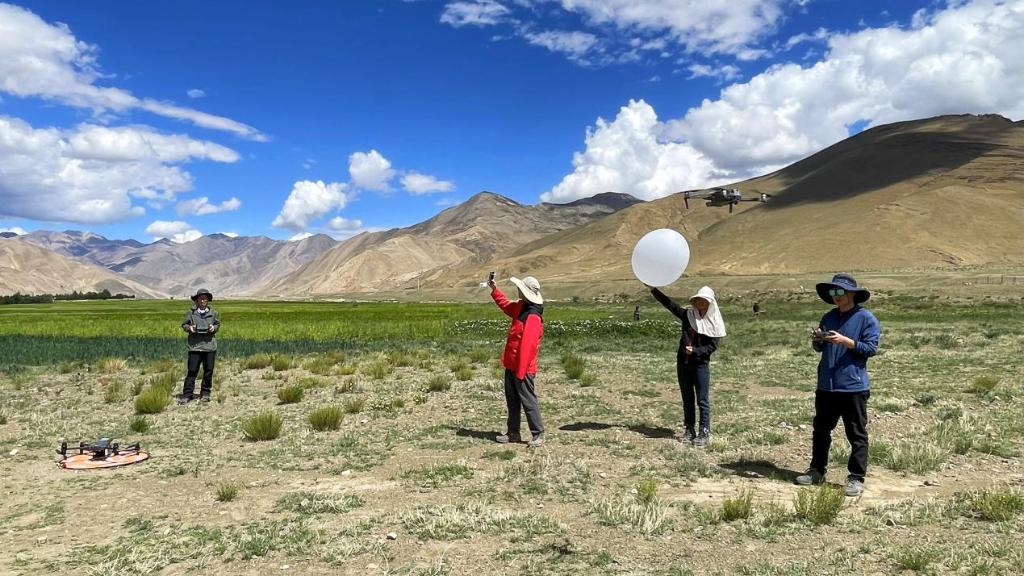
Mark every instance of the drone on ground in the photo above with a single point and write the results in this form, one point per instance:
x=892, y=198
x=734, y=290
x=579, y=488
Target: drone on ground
x=718, y=197
x=104, y=453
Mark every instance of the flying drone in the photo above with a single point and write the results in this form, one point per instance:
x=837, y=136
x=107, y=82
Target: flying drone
x=104, y=453
x=718, y=197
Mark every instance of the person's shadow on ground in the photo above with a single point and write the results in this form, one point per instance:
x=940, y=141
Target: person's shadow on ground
x=760, y=469
x=642, y=429
x=477, y=434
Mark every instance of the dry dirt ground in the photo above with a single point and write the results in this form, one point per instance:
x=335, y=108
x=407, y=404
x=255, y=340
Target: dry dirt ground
x=611, y=492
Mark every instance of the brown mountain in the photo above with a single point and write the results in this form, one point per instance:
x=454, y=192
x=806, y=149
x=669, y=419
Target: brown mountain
x=930, y=193
x=223, y=264
x=29, y=269
x=473, y=232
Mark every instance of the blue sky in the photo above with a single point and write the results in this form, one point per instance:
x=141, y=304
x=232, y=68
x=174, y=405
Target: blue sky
x=339, y=117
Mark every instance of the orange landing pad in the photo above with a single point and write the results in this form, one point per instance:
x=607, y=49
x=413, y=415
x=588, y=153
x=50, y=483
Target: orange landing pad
x=86, y=461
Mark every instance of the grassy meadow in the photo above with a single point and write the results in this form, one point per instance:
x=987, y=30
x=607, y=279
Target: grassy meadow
x=357, y=438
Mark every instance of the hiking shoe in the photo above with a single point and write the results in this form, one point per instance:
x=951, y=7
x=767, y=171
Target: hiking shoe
x=185, y=398
x=508, y=437
x=205, y=398
x=812, y=476
x=688, y=435
x=537, y=441
x=854, y=486
x=703, y=438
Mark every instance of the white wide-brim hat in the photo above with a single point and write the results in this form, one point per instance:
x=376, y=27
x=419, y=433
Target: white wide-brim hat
x=530, y=288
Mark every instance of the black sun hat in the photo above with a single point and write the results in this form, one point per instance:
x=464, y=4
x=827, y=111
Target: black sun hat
x=846, y=282
x=202, y=292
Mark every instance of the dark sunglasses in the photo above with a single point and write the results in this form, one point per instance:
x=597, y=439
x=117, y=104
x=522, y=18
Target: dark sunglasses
x=836, y=292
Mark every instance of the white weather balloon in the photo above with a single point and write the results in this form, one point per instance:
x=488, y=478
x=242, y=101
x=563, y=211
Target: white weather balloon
x=660, y=257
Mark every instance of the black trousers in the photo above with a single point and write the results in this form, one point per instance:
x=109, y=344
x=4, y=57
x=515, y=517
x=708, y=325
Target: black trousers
x=852, y=407
x=695, y=386
x=521, y=396
x=194, y=360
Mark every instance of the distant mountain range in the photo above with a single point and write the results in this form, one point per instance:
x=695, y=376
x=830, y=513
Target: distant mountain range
x=946, y=191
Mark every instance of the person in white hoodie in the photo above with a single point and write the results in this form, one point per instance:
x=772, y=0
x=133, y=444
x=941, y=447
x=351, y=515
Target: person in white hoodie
x=702, y=327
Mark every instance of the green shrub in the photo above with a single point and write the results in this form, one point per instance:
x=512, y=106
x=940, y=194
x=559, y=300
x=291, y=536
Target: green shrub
x=400, y=359
x=165, y=381
x=439, y=384
x=227, y=491
x=999, y=505
x=915, y=558
x=647, y=492
x=574, y=365
x=313, y=382
x=152, y=401
x=819, y=505
x=321, y=366
x=347, y=385
x=464, y=373
x=309, y=503
x=280, y=363
x=378, y=369
x=345, y=370
x=258, y=361
x=983, y=385
x=290, y=394
x=437, y=475
x=162, y=365
x=738, y=508
x=139, y=425
x=458, y=364
x=137, y=387
x=68, y=366
x=480, y=355
x=588, y=379
x=263, y=426
x=115, y=392
x=112, y=365
x=919, y=457
x=326, y=418
x=354, y=405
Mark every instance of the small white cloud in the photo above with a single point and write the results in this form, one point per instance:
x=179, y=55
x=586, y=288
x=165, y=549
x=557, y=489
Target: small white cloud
x=655, y=78
x=476, y=13
x=723, y=72
x=201, y=206
x=308, y=163
x=309, y=201
x=195, y=93
x=573, y=44
x=15, y=229
x=417, y=183
x=300, y=236
x=177, y=231
x=370, y=171
x=339, y=224
x=819, y=35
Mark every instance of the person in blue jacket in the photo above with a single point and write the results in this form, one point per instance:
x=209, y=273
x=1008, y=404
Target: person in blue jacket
x=847, y=336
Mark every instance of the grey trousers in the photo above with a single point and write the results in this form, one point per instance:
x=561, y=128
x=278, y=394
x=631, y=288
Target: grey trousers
x=520, y=395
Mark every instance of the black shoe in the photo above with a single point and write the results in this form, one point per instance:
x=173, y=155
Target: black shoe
x=703, y=438
x=688, y=436
x=185, y=398
x=205, y=398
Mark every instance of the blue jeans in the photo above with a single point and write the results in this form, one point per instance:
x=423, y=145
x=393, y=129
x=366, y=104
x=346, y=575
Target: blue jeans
x=695, y=384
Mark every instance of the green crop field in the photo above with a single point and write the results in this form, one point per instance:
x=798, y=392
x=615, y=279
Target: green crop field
x=336, y=426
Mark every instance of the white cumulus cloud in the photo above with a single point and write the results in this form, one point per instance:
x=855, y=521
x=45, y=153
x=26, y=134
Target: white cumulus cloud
x=574, y=44
x=15, y=229
x=309, y=201
x=89, y=174
x=47, y=61
x=201, y=206
x=370, y=171
x=626, y=156
x=961, y=59
x=177, y=231
x=195, y=93
x=417, y=183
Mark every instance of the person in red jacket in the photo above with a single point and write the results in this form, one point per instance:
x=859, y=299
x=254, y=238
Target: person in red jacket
x=520, y=358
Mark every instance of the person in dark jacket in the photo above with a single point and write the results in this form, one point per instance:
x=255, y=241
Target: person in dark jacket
x=520, y=358
x=846, y=337
x=201, y=323
x=702, y=327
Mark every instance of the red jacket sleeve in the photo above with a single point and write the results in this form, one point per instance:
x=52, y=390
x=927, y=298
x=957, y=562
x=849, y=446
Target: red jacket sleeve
x=508, y=307
x=529, y=345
